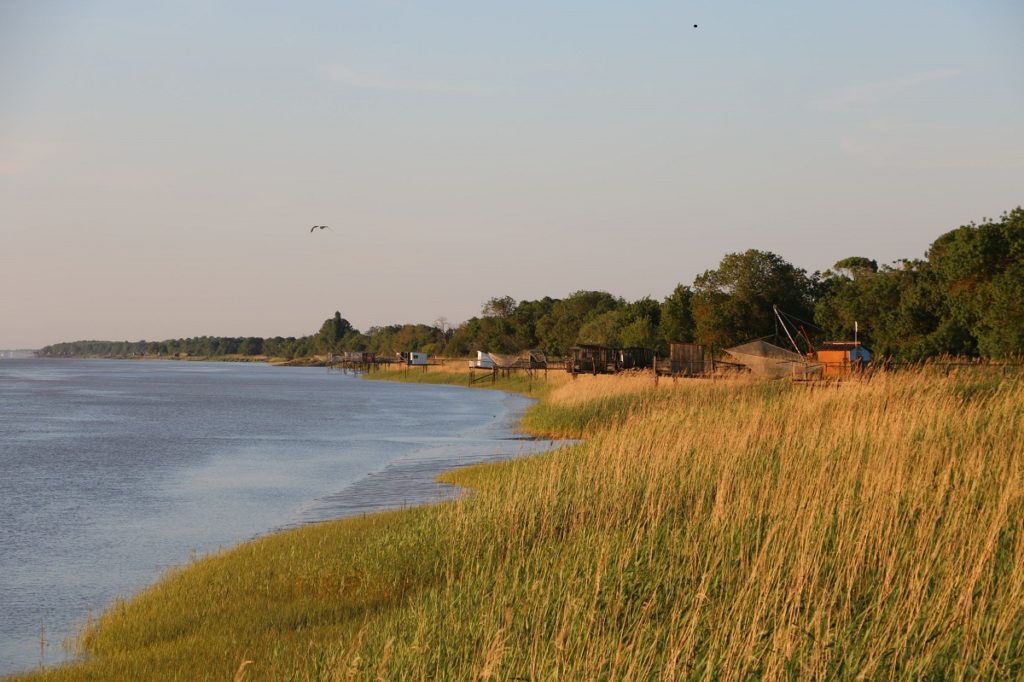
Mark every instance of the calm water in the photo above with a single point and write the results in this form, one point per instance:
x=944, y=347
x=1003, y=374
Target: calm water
x=111, y=471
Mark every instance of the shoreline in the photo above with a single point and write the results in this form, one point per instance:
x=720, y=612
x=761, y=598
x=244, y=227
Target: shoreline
x=701, y=529
x=308, y=361
x=363, y=497
x=367, y=496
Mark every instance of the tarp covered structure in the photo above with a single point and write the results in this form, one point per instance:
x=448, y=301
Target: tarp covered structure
x=527, y=359
x=772, y=362
x=502, y=361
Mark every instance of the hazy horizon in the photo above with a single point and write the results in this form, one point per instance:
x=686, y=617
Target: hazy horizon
x=160, y=166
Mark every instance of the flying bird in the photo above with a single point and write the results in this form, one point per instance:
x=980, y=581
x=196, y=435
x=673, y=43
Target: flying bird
x=319, y=227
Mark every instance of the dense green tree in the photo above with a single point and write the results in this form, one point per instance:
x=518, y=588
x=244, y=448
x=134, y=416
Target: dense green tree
x=964, y=299
x=483, y=333
x=854, y=297
x=499, y=306
x=559, y=330
x=978, y=272
x=398, y=338
x=1000, y=326
x=733, y=303
x=895, y=308
x=640, y=322
x=603, y=330
x=525, y=319
x=250, y=346
x=332, y=334
x=677, y=324
x=856, y=265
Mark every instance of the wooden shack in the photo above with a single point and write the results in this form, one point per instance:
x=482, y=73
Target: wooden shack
x=590, y=359
x=686, y=359
x=841, y=358
x=417, y=359
x=356, y=356
x=635, y=358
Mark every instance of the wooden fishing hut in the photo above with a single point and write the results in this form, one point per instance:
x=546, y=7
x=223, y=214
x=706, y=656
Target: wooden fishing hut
x=842, y=358
x=686, y=359
x=418, y=359
x=636, y=358
x=357, y=356
x=356, y=361
x=592, y=359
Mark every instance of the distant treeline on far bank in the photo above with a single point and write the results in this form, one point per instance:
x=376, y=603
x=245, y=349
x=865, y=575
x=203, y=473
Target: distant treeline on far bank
x=965, y=297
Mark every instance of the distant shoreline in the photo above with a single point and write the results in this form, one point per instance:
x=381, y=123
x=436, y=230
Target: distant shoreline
x=308, y=361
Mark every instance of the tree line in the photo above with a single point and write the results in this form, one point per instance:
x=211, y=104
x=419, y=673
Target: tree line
x=965, y=297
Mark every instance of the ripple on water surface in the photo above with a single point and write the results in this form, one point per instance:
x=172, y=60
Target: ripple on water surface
x=114, y=470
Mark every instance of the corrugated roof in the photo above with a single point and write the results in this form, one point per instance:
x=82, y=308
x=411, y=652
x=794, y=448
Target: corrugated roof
x=841, y=345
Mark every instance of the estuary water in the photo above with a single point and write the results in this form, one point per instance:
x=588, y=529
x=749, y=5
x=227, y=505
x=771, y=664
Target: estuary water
x=113, y=471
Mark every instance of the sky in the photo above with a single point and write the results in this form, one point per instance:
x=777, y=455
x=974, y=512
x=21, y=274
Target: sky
x=161, y=163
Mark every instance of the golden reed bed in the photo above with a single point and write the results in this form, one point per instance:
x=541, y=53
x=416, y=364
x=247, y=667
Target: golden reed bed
x=703, y=530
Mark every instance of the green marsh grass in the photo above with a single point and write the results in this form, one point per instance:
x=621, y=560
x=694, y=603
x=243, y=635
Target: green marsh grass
x=703, y=530
x=535, y=386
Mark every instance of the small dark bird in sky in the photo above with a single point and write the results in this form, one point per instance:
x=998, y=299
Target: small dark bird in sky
x=319, y=227
x=695, y=25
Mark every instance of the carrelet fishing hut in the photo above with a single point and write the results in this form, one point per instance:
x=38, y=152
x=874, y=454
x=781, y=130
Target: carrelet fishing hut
x=831, y=359
x=413, y=358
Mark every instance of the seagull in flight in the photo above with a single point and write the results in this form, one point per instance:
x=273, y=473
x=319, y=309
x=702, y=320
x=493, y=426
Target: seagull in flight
x=320, y=227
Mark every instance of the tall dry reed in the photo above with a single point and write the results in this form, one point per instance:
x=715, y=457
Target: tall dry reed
x=703, y=530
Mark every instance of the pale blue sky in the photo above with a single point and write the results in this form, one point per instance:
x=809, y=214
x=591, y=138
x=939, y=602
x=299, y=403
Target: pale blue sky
x=160, y=164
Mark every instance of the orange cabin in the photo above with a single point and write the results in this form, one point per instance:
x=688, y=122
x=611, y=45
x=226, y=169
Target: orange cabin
x=840, y=358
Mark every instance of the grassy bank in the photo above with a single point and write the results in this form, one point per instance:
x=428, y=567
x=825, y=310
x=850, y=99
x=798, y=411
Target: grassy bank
x=458, y=374
x=718, y=530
